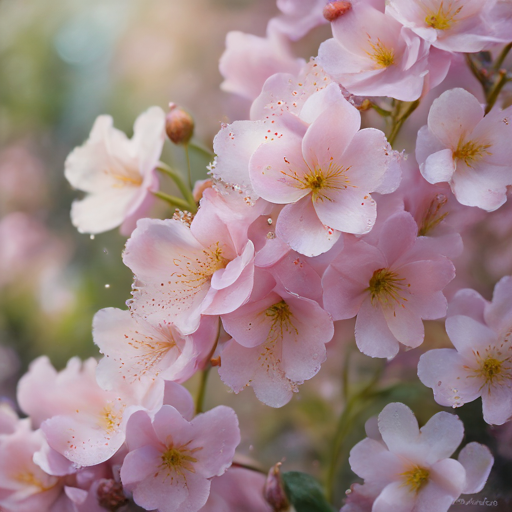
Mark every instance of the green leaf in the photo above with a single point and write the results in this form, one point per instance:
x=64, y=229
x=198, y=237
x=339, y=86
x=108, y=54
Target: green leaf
x=305, y=493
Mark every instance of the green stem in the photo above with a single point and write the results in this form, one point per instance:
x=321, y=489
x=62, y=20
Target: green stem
x=344, y=428
x=249, y=467
x=202, y=390
x=189, y=170
x=399, y=120
x=173, y=200
x=201, y=148
x=476, y=72
x=345, y=375
x=382, y=111
x=495, y=91
x=186, y=192
x=502, y=56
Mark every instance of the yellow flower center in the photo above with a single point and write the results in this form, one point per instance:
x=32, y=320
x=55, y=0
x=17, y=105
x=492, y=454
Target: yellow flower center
x=385, y=287
x=319, y=180
x=471, y=152
x=415, y=478
x=381, y=54
x=110, y=418
x=178, y=459
x=444, y=18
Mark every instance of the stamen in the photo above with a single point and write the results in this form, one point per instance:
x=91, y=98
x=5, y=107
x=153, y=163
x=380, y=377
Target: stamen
x=380, y=54
x=385, y=287
x=433, y=215
x=470, y=152
x=444, y=18
x=415, y=478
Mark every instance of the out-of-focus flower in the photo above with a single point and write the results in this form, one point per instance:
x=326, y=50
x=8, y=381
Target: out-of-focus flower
x=372, y=54
x=249, y=60
x=118, y=174
x=481, y=363
x=25, y=487
x=236, y=490
x=410, y=469
x=390, y=286
x=171, y=461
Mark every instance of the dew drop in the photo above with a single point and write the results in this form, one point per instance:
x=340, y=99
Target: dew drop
x=269, y=221
x=92, y=237
x=107, y=286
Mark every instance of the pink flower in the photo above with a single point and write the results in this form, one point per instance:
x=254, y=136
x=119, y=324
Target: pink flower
x=118, y=174
x=182, y=273
x=236, y=490
x=81, y=421
x=471, y=152
x=324, y=175
x=411, y=466
x=391, y=286
x=451, y=25
x=278, y=343
x=24, y=487
x=481, y=363
x=135, y=349
x=8, y=419
x=298, y=17
x=372, y=54
x=171, y=461
x=249, y=60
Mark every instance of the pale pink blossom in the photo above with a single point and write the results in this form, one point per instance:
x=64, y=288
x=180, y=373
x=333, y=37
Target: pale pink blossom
x=469, y=151
x=236, y=490
x=249, y=60
x=183, y=272
x=305, y=95
x=278, y=343
x=24, y=487
x=116, y=173
x=81, y=421
x=372, y=54
x=298, y=17
x=171, y=461
x=409, y=468
x=391, y=286
x=135, y=349
x=481, y=363
x=8, y=419
x=325, y=176
x=451, y=25
x=499, y=16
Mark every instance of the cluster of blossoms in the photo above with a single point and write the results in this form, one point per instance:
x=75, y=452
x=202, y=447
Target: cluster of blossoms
x=307, y=219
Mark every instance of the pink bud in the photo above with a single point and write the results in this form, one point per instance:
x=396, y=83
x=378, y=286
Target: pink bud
x=179, y=125
x=333, y=10
x=274, y=490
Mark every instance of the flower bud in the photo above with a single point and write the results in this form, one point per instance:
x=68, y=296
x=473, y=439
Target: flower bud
x=179, y=125
x=274, y=490
x=110, y=494
x=333, y=10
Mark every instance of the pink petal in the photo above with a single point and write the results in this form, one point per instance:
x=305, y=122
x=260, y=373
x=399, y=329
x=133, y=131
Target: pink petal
x=454, y=114
x=277, y=170
x=497, y=403
x=139, y=464
x=372, y=461
x=405, y=324
x=399, y=428
x=443, y=371
x=468, y=302
x=397, y=236
x=498, y=313
x=373, y=336
x=438, y=167
x=299, y=226
x=330, y=134
x=395, y=497
x=477, y=461
x=468, y=335
x=441, y=436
